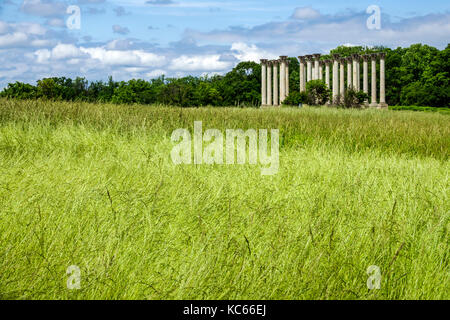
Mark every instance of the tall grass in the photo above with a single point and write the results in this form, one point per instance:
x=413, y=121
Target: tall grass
x=94, y=186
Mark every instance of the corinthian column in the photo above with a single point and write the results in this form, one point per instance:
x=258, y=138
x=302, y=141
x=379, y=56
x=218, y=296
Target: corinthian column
x=355, y=71
x=308, y=68
x=335, y=78
x=263, y=82
x=316, y=66
x=374, y=80
x=275, y=82
x=287, y=78
x=349, y=72
x=366, y=75
x=321, y=70
x=327, y=73
x=282, y=78
x=342, y=77
x=269, y=83
x=383, y=103
x=302, y=74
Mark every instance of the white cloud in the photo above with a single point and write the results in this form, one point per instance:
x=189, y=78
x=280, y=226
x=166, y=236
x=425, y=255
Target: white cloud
x=306, y=13
x=43, y=8
x=244, y=52
x=13, y=39
x=65, y=51
x=3, y=27
x=128, y=58
x=199, y=63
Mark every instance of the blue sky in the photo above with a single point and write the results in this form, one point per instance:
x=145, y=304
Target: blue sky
x=147, y=38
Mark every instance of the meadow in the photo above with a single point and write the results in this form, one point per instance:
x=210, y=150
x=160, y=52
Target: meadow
x=93, y=185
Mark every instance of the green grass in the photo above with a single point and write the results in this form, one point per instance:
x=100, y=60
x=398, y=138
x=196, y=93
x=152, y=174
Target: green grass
x=418, y=108
x=94, y=186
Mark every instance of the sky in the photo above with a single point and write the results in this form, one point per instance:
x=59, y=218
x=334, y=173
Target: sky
x=148, y=38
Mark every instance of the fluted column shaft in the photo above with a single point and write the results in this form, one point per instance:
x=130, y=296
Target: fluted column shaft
x=383, y=81
x=327, y=73
x=263, y=82
x=316, y=66
x=374, y=81
x=302, y=74
x=269, y=83
x=287, y=78
x=308, y=69
x=335, y=78
x=366, y=75
x=320, y=70
x=355, y=72
x=342, y=79
x=282, y=79
x=275, y=82
x=349, y=73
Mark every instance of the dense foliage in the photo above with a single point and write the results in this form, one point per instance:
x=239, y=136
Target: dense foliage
x=415, y=76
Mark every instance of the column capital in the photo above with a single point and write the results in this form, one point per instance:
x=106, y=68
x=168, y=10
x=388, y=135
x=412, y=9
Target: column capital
x=316, y=55
x=349, y=59
x=276, y=61
x=374, y=56
x=302, y=59
x=270, y=62
x=336, y=56
x=283, y=58
x=309, y=57
x=382, y=55
x=264, y=61
x=356, y=57
x=342, y=60
x=327, y=61
x=366, y=57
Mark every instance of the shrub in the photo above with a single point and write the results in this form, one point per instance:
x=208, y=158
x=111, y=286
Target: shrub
x=295, y=98
x=317, y=93
x=353, y=99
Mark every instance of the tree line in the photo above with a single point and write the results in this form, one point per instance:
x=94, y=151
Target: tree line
x=415, y=76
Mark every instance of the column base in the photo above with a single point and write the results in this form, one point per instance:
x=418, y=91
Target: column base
x=374, y=105
x=383, y=105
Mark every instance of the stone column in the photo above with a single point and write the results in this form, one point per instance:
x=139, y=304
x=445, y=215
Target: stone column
x=275, y=82
x=335, y=78
x=269, y=83
x=327, y=72
x=302, y=74
x=373, y=102
x=358, y=73
x=383, y=103
x=282, y=78
x=321, y=70
x=366, y=75
x=308, y=68
x=316, y=66
x=355, y=71
x=349, y=72
x=342, y=78
x=263, y=82
x=287, y=78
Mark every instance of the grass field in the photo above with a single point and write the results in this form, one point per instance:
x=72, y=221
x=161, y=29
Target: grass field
x=94, y=186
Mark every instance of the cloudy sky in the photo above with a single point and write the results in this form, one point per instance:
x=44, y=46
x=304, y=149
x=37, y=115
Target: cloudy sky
x=146, y=38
